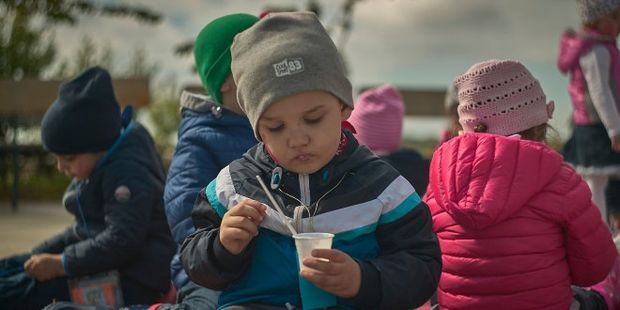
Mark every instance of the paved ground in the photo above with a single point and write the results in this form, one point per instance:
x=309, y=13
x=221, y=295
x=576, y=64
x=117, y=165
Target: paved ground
x=32, y=223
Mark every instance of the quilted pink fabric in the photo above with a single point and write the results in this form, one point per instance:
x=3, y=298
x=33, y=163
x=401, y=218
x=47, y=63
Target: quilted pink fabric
x=516, y=225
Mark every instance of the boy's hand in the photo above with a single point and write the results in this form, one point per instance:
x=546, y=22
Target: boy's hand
x=615, y=143
x=44, y=267
x=240, y=225
x=341, y=275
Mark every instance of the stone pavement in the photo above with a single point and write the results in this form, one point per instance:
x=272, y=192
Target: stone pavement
x=32, y=223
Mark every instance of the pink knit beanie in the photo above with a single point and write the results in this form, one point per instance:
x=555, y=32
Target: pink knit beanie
x=501, y=95
x=378, y=119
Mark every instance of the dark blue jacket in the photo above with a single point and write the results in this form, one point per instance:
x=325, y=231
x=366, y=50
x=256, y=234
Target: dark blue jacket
x=209, y=139
x=412, y=166
x=120, y=222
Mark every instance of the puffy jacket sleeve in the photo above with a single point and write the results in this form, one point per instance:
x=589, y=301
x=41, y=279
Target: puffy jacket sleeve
x=57, y=243
x=590, y=249
x=126, y=222
x=408, y=267
x=193, y=167
x=204, y=258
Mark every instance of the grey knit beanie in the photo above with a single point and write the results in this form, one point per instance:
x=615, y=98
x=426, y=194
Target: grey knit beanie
x=591, y=10
x=284, y=54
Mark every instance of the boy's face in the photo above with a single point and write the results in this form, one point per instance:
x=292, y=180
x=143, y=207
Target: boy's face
x=302, y=131
x=78, y=166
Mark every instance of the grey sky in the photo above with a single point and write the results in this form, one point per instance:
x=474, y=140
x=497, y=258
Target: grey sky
x=409, y=43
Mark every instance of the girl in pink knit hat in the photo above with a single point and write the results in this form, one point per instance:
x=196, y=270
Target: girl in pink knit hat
x=378, y=123
x=516, y=225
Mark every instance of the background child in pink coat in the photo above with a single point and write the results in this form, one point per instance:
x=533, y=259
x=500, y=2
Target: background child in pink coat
x=516, y=225
x=591, y=58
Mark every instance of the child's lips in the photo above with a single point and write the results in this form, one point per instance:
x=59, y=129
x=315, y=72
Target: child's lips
x=303, y=157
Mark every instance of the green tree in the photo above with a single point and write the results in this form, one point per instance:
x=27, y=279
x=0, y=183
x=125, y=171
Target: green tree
x=27, y=44
x=163, y=113
x=25, y=50
x=85, y=57
x=140, y=65
x=106, y=58
x=86, y=54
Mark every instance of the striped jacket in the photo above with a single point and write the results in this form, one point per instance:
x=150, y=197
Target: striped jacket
x=375, y=214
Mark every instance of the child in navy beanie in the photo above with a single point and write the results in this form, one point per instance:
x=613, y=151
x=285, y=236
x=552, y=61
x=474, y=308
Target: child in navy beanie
x=120, y=231
x=85, y=117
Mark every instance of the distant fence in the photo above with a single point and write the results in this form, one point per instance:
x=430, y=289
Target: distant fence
x=29, y=97
x=23, y=103
x=418, y=102
x=422, y=102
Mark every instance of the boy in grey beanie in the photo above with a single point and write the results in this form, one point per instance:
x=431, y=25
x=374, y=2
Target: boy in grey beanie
x=291, y=84
x=286, y=54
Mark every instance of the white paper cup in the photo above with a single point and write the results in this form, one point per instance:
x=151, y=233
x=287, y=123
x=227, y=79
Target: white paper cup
x=306, y=242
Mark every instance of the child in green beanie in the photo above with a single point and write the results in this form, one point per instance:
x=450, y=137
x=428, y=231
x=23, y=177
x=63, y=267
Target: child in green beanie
x=213, y=132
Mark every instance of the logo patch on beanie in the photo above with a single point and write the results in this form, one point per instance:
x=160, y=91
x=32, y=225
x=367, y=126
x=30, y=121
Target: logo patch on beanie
x=288, y=67
x=122, y=193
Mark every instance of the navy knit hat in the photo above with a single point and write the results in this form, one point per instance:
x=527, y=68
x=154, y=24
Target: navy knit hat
x=85, y=118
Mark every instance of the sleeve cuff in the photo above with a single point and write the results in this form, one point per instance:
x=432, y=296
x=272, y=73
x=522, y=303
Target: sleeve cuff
x=369, y=295
x=228, y=261
x=64, y=264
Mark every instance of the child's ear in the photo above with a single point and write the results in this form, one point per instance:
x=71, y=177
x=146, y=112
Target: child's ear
x=228, y=85
x=345, y=112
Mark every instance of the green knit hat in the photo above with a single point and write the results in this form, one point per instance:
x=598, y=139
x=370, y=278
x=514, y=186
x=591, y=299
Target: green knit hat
x=212, y=50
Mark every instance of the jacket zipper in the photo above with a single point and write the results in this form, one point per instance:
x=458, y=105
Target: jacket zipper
x=304, y=189
x=299, y=210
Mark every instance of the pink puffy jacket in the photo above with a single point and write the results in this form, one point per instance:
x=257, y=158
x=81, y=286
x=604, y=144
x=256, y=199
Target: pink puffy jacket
x=516, y=225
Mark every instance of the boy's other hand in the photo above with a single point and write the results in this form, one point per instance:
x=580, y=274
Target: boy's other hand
x=240, y=225
x=44, y=267
x=615, y=143
x=341, y=275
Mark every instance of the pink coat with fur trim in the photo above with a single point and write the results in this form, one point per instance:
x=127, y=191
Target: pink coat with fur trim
x=516, y=225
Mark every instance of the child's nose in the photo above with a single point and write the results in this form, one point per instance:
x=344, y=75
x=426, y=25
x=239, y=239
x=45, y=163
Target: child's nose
x=298, y=138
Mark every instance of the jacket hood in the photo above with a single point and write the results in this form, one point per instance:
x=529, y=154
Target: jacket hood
x=481, y=179
x=196, y=102
x=573, y=44
x=200, y=111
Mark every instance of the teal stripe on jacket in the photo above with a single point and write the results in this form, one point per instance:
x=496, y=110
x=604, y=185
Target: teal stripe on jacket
x=403, y=208
x=212, y=197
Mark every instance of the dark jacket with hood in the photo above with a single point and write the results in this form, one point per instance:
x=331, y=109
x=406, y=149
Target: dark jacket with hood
x=209, y=139
x=375, y=214
x=120, y=222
